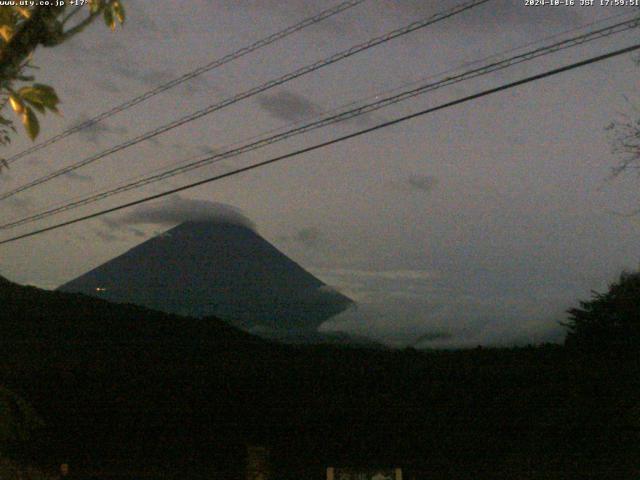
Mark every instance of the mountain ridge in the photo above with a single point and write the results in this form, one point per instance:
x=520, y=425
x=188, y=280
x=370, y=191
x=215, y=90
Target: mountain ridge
x=202, y=268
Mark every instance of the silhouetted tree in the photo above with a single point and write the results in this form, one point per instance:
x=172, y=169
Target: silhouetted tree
x=10, y=470
x=17, y=419
x=608, y=320
x=625, y=143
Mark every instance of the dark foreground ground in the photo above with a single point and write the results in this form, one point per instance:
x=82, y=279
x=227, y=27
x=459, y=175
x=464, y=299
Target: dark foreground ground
x=129, y=393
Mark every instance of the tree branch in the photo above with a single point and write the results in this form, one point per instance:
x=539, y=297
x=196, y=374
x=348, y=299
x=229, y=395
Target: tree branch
x=73, y=12
x=80, y=26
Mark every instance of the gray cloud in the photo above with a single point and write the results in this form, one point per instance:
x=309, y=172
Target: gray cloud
x=20, y=203
x=207, y=150
x=177, y=209
x=146, y=77
x=289, y=106
x=137, y=233
x=423, y=183
x=310, y=237
x=107, y=236
x=107, y=85
x=95, y=132
x=154, y=77
x=78, y=176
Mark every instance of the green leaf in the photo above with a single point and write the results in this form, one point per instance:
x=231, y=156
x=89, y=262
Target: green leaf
x=38, y=106
x=31, y=95
x=118, y=11
x=109, y=18
x=40, y=96
x=31, y=123
x=95, y=5
x=47, y=90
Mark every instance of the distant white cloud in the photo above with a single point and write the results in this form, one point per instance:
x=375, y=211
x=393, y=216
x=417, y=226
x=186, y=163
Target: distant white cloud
x=452, y=321
x=419, y=307
x=401, y=274
x=369, y=286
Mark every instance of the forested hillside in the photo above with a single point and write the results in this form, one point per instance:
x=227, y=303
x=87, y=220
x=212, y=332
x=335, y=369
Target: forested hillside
x=127, y=390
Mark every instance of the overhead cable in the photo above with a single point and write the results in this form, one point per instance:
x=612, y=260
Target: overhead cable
x=251, y=92
x=332, y=119
x=334, y=141
x=189, y=76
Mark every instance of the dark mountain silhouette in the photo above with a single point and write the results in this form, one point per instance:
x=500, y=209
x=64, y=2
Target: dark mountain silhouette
x=215, y=268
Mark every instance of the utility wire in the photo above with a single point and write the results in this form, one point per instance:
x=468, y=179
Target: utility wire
x=332, y=119
x=253, y=91
x=318, y=146
x=190, y=75
x=360, y=100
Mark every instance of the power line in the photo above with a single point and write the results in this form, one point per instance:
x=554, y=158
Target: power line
x=253, y=91
x=377, y=95
x=318, y=146
x=190, y=75
x=332, y=119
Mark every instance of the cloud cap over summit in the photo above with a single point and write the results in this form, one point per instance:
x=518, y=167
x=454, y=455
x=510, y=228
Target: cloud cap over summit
x=177, y=209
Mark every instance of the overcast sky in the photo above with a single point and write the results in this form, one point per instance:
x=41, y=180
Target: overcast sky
x=479, y=224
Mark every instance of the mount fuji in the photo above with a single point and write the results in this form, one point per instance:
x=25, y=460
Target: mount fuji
x=216, y=268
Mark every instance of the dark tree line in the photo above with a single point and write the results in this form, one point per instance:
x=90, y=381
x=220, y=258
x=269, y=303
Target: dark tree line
x=609, y=320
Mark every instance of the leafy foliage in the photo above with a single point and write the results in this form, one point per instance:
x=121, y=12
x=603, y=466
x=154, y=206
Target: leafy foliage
x=610, y=319
x=17, y=418
x=10, y=470
x=22, y=30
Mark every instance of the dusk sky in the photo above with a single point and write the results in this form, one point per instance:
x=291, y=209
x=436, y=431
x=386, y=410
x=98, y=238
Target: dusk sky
x=478, y=224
